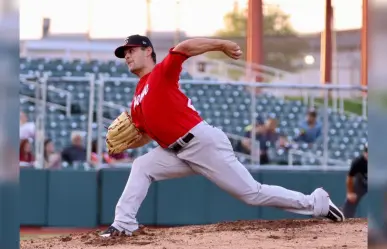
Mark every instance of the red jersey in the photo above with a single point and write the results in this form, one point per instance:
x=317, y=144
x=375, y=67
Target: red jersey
x=159, y=108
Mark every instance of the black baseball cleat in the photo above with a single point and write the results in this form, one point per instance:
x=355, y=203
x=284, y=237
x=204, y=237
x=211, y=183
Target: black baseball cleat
x=111, y=232
x=334, y=213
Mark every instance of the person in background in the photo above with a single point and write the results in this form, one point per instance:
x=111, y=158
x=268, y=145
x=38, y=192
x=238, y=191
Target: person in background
x=76, y=152
x=94, y=155
x=283, y=147
x=283, y=142
x=357, y=183
x=244, y=146
x=25, y=152
x=106, y=158
x=27, y=129
x=266, y=135
x=310, y=129
x=123, y=157
x=52, y=159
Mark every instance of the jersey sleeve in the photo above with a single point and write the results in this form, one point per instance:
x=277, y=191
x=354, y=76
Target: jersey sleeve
x=172, y=64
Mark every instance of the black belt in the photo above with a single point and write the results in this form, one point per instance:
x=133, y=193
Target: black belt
x=176, y=147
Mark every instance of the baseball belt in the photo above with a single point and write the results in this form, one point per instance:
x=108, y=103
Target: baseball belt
x=177, y=146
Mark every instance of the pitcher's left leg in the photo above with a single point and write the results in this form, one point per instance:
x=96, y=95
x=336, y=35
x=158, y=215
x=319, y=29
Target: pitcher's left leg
x=211, y=154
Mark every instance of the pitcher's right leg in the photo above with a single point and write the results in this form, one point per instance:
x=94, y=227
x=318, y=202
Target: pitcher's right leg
x=156, y=165
x=210, y=153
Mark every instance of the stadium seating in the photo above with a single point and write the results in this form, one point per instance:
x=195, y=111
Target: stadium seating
x=225, y=106
x=59, y=67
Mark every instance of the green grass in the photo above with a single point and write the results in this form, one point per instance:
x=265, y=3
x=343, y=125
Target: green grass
x=352, y=106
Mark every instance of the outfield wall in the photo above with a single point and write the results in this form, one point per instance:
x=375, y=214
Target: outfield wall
x=79, y=198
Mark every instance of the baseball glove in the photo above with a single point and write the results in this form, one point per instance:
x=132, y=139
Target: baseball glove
x=123, y=134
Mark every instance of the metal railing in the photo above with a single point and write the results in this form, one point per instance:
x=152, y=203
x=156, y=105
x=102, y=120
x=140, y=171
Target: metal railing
x=97, y=103
x=36, y=101
x=338, y=103
x=41, y=79
x=308, y=154
x=270, y=74
x=291, y=152
x=76, y=79
x=229, y=70
x=41, y=96
x=39, y=87
x=252, y=85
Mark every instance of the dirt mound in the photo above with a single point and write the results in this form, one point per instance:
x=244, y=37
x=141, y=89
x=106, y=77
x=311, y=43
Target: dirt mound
x=240, y=234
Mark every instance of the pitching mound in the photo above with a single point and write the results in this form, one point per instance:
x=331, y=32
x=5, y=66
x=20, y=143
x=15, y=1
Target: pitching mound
x=230, y=235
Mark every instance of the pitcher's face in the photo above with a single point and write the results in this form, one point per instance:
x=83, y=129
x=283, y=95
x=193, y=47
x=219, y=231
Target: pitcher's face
x=135, y=59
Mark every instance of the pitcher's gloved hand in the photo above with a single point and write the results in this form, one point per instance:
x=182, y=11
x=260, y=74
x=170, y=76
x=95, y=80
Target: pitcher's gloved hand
x=123, y=134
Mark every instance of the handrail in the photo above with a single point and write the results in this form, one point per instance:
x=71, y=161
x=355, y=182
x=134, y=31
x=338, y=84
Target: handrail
x=309, y=154
x=113, y=105
x=265, y=76
x=51, y=87
x=292, y=152
x=92, y=83
x=252, y=69
x=254, y=84
x=348, y=113
x=258, y=66
x=85, y=79
x=108, y=120
x=68, y=94
x=221, y=70
x=38, y=101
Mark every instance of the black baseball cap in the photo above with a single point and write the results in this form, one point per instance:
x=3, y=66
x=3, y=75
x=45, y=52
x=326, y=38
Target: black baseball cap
x=259, y=121
x=133, y=41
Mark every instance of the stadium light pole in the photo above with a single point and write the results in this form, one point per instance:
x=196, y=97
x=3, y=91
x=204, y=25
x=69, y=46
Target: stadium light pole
x=254, y=35
x=326, y=71
x=326, y=45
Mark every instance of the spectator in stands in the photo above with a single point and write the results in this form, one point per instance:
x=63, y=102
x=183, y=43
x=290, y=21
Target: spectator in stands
x=310, y=129
x=244, y=146
x=266, y=135
x=25, y=153
x=94, y=155
x=27, y=129
x=106, y=158
x=76, y=152
x=283, y=142
x=123, y=157
x=52, y=159
x=283, y=146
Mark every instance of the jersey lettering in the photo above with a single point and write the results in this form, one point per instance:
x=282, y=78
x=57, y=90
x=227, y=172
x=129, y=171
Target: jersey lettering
x=137, y=99
x=190, y=105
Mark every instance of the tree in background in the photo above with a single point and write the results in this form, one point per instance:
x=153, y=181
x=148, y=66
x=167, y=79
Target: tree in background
x=278, y=53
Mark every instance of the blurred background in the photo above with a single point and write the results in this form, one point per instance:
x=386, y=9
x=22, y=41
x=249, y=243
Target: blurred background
x=299, y=93
x=73, y=53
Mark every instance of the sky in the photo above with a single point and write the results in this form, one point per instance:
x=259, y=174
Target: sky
x=119, y=18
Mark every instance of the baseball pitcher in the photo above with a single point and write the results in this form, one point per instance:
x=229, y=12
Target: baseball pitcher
x=187, y=144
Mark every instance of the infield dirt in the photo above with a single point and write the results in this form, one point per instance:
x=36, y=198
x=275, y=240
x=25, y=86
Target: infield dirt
x=301, y=234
